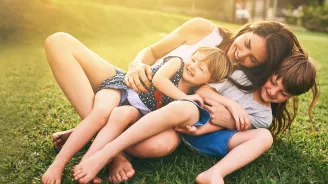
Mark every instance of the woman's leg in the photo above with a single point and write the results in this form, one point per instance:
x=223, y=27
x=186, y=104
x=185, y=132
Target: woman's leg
x=78, y=72
x=179, y=113
x=245, y=147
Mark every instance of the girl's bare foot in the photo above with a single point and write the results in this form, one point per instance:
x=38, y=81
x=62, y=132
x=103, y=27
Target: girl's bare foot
x=89, y=168
x=59, y=138
x=53, y=174
x=209, y=177
x=120, y=169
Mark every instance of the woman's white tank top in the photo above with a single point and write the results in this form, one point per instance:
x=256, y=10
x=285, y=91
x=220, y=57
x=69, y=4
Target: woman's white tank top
x=185, y=51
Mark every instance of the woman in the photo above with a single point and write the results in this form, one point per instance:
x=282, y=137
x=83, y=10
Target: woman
x=79, y=71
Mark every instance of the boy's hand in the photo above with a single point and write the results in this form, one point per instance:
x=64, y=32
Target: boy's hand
x=195, y=98
x=191, y=130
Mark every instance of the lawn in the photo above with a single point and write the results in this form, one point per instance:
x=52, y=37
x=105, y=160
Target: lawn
x=33, y=106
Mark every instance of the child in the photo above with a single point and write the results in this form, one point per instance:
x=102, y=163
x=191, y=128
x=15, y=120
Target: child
x=172, y=81
x=280, y=87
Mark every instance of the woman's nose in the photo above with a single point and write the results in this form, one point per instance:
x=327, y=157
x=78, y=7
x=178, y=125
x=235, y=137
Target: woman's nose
x=243, y=53
x=273, y=92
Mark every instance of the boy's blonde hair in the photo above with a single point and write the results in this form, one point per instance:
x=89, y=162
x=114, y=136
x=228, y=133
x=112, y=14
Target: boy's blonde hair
x=218, y=64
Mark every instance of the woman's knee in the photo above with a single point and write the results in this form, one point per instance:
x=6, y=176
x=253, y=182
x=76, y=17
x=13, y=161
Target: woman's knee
x=59, y=37
x=158, y=146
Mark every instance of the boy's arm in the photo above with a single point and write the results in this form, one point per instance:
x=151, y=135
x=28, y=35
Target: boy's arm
x=241, y=118
x=162, y=80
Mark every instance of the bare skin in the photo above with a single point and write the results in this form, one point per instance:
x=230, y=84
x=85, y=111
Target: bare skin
x=74, y=69
x=246, y=146
x=59, y=138
x=243, y=146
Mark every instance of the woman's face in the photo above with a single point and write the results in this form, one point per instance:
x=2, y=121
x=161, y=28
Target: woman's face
x=249, y=50
x=273, y=91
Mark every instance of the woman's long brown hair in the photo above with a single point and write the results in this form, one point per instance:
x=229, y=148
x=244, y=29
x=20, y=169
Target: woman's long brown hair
x=280, y=43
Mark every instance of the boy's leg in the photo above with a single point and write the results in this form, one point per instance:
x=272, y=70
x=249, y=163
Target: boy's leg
x=185, y=113
x=105, y=101
x=245, y=147
x=160, y=145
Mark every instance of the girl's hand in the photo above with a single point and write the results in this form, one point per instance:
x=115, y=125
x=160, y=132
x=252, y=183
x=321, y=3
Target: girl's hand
x=136, y=72
x=195, y=98
x=191, y=130
x=242, y=119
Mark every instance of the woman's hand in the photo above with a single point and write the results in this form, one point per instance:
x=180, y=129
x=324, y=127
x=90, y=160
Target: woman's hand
x=137, y=71
x=242, y=119
x=195, y=98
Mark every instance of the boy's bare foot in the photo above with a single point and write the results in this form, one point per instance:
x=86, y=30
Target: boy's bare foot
x=53, y=174
x=120, y=169
x=209, y=177
x=59, y=138
x=89, y=168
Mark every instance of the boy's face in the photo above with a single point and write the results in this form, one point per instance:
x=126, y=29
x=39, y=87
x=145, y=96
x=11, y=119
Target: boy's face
x=196, y=70
x=273, y=91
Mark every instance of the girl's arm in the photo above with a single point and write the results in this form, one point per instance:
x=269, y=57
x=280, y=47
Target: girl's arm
x=241, y=117
x=188, y=33
x=162, y=80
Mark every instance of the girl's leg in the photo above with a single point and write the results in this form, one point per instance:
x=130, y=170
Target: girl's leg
x=78, y=72
x=184, y=113
x=245, y=147
x=114, y=127
x=105, y=101
x=119, y=120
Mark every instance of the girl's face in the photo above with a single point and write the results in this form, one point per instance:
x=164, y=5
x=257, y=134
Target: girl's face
x=249, y=50
x=273, y=91
x=196, y=70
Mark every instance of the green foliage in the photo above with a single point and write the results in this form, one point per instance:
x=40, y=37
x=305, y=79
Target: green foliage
x=316, y=18
x=33, y=106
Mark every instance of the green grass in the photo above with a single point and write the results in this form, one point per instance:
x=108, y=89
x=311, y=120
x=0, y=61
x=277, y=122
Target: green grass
x=33, y=107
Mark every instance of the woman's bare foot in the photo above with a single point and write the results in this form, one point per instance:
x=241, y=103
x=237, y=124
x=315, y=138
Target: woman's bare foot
x=88, y=169
x=97, y=180
x=53, y=174
x=120, y=169
x=59, y=138
x=209, y=177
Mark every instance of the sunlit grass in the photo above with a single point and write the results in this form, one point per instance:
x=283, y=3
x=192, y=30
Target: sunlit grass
x=33, y=107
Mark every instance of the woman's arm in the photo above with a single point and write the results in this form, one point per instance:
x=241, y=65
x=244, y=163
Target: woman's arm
x=189, y=33
x=241, y=118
